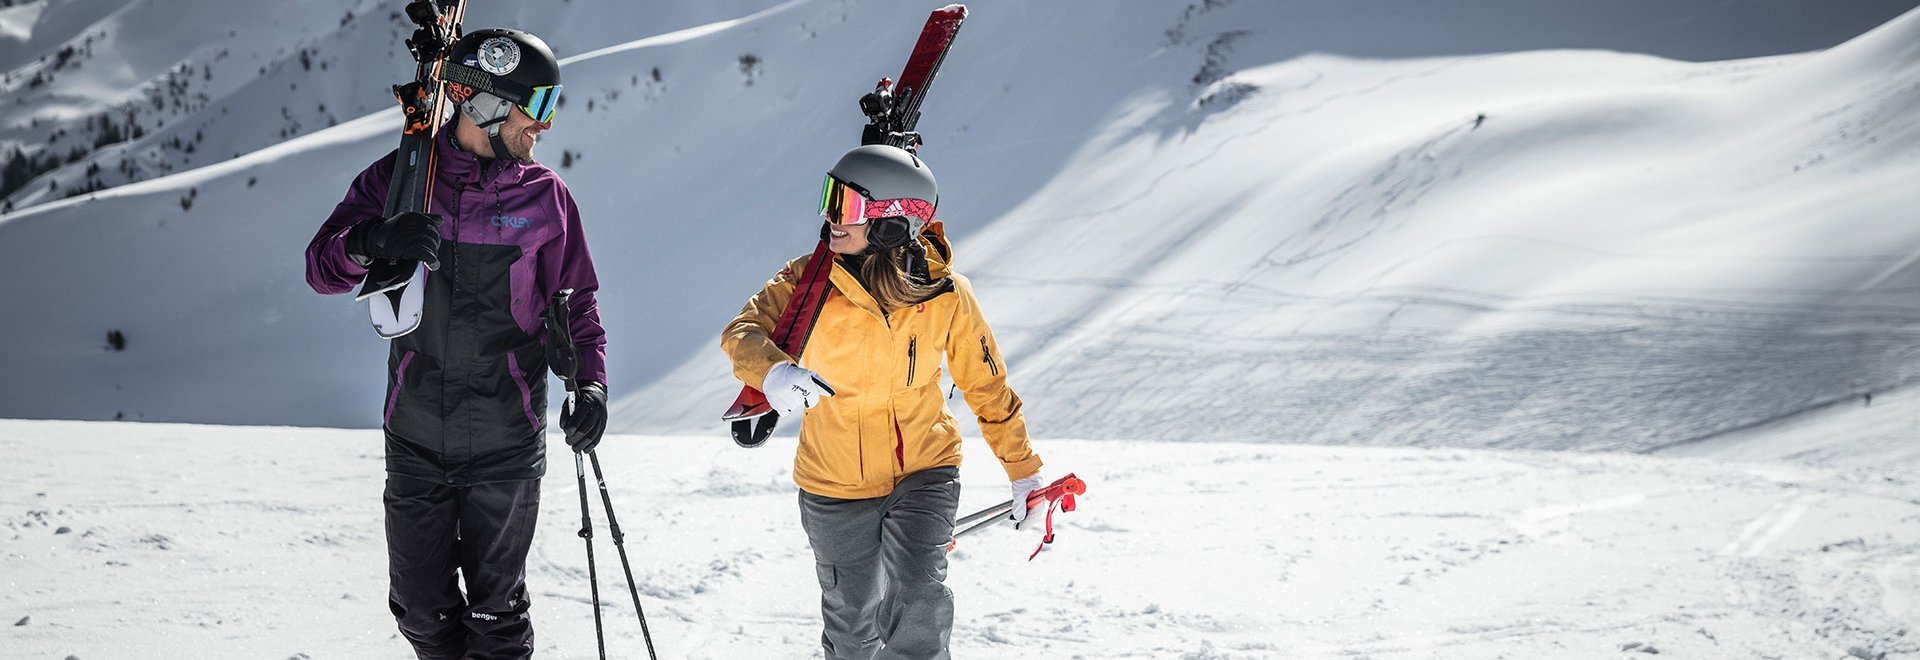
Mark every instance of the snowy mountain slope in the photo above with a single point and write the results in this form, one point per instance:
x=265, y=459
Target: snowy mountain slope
x=1204, y=550
x=1623, y=253
x=1856, y=432
x=1181, y=230
x=227, y=78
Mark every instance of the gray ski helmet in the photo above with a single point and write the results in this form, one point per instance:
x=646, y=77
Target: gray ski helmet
x=882, y=172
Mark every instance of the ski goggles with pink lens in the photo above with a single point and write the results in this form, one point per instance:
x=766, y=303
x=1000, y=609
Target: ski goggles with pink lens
x=843, y=204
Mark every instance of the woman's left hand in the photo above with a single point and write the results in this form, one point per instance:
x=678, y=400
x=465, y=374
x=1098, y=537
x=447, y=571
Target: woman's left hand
x=1022, y=489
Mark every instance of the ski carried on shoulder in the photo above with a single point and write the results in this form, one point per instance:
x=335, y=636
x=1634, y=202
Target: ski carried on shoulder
x=892, y=110
x=396, y=287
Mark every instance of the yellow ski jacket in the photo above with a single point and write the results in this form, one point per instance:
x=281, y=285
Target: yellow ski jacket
x=888, y=417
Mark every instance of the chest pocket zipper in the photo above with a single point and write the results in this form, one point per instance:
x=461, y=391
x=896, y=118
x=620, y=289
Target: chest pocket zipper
x=986, y=355
x=913, y=345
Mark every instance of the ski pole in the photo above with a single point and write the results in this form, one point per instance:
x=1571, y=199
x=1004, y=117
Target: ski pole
x=619, y=543
x=1062, y=489
x=993, y=517
x=593, y=574
x=565, y=361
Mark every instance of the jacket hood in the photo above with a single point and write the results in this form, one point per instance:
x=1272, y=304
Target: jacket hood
x=933, y=239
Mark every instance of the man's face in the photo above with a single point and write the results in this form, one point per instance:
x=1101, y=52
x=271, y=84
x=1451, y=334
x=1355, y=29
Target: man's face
x=521, y=133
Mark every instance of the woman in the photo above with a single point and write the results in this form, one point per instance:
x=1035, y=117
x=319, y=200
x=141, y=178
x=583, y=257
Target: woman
x=879, y=452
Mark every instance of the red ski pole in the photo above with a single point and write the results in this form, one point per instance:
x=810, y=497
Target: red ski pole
x=1060, y=494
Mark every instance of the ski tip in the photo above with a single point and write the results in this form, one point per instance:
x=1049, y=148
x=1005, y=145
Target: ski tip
x=388, y=276
x=747, y=409
x=372, y=289
x=955, y=8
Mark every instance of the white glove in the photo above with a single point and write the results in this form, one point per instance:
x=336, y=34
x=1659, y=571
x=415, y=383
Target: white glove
x=1021, y=489
x=792, y=389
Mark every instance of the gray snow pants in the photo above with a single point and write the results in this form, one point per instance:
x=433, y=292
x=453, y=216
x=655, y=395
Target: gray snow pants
x=882, y=564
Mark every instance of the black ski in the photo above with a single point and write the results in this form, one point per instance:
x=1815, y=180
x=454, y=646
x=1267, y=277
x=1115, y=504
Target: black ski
x=396, y=307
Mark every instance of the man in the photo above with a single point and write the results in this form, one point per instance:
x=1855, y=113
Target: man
x=466, y=399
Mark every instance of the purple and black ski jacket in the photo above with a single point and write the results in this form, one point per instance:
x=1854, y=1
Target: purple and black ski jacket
x=467, y=390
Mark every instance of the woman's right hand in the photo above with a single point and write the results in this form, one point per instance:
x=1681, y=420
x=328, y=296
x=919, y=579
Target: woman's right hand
x=792, y=389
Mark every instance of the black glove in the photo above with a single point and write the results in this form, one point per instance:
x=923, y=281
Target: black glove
x=411, y=236
x=586, y=419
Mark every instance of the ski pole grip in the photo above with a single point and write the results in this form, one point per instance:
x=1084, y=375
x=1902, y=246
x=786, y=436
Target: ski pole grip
x=562, y=356
x=1063, y=489
x=1073, y=485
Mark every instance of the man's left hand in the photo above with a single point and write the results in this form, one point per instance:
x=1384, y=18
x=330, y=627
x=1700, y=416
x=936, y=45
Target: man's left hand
x=587, y=419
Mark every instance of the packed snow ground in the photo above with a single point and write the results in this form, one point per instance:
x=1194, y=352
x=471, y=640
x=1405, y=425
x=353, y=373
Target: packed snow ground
x=266, y=542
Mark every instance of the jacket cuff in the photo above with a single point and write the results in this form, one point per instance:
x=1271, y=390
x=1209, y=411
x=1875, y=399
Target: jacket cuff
x=348, y=263
x=757, y=367
x=1022, y=468
x=593, y=366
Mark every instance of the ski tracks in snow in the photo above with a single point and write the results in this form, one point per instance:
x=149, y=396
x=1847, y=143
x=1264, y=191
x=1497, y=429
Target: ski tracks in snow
x=1761, y=533
x=1550, y=520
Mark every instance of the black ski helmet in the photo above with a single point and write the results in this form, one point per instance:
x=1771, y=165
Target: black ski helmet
x=495, y=69
x=883, y=172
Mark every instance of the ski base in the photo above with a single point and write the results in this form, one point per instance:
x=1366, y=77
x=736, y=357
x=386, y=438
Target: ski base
x=395, y=310
x=751, y=418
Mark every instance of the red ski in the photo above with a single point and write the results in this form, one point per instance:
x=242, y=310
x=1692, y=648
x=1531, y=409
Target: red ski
x=893, y=110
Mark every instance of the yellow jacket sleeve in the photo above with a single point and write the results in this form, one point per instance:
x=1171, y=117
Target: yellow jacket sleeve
x=748, y=340
x=979, y=372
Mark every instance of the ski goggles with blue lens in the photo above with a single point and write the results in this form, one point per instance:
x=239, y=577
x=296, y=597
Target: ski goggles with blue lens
x=542, y=103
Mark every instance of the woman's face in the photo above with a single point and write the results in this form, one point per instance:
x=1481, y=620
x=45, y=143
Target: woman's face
x=846, y=239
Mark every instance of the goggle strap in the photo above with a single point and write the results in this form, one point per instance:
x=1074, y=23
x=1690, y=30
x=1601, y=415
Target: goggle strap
x=540, y=102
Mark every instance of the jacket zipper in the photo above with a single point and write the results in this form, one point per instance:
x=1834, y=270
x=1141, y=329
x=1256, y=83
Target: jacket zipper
x=912, y=346
x=986, y=355
x=450, y=248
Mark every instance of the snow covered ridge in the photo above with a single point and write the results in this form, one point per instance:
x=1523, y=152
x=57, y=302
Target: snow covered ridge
x=96, y=97
x=1221, y=551
x=1273, y=221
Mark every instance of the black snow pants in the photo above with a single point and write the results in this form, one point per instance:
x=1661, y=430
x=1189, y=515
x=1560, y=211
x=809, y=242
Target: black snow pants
x=483, y=531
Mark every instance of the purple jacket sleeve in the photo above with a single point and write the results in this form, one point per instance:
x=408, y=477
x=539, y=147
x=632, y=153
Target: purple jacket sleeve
x=567, y=263
x=329, y=269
